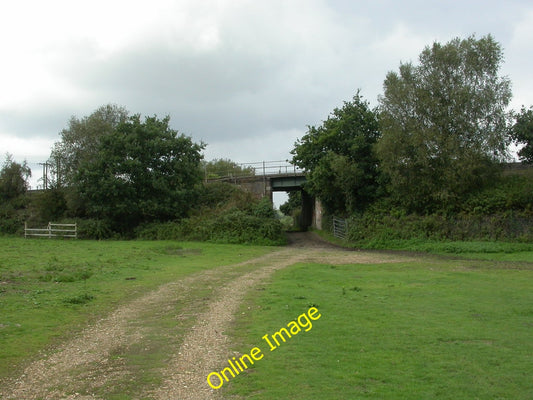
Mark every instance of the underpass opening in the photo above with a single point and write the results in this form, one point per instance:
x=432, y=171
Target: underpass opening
x=302, y=211
x=294, y=183
x=279, y=198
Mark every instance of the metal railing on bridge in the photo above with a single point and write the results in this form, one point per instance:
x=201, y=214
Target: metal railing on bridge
x=261, y=168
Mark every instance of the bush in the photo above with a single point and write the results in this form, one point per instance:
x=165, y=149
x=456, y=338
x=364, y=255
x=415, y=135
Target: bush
x=12, y=216
x=230, y=226
x=264, y=209
x=515, y=226
x=511, y=192
x=50, y=205
x=95, y=229
x=170, y=230
x=215, y=194
x=503, y=211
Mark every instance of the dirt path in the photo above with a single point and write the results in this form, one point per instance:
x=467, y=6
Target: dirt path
x=85, y=365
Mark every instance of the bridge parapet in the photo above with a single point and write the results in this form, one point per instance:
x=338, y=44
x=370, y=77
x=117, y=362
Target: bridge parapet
x=258, y=169
x=273, y=167
x=262, y=178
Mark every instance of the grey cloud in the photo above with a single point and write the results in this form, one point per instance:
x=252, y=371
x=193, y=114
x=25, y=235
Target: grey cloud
x=227, y=91
x=272, y=70
x=33, y=123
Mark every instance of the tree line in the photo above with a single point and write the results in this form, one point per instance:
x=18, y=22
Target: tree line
x=121, y=175
x=436, y=140
x=440, y=133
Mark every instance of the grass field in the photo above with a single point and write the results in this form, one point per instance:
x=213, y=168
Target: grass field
x=433, y=329
x=482, y=250
x=49, y=288
x=437, y=327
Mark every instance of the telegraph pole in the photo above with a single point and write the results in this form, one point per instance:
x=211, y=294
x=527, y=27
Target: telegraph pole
x=45, y=175
x=58, y=173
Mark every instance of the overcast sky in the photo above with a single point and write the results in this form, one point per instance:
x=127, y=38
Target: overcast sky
x=246, y=77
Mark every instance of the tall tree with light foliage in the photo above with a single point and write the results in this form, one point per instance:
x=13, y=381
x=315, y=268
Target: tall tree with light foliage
x=13, y=187
x=444, y=122
x=80, y=141
x=13, y=179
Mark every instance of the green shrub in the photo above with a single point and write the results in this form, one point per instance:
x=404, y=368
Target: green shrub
x=510, y=192
x=503, y=211
x=263, y=209
x=215, y=194
x=515, y=226
x=50, y=205
x=12, y=216
x=170, y=230
x=224, y=214
x=98, y=229
x=230, y=226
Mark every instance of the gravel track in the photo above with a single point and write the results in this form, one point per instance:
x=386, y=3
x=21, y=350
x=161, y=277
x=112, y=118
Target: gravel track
x=83, y=365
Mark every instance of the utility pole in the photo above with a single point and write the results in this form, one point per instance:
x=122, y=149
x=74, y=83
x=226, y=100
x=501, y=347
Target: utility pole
x=45, y=175
x=58, y=172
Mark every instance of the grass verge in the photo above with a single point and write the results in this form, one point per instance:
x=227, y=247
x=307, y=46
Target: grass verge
x=436, y=328
x=483, y=250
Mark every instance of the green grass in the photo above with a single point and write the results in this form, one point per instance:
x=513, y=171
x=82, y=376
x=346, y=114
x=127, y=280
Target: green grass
x=483, y=250
x=446, y=329
x=436, y=328
x=52, y=288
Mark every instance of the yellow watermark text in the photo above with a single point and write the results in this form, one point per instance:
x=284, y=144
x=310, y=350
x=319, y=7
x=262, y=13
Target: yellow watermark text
x=237, y=365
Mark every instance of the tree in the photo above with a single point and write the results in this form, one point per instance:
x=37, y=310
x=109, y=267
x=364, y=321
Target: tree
x=13, y=186
x=293, y=203
x=143, y=171
x=339, y=158
x=50, y=205
x=444, y=122
x=522, y=133
x=222, y=168
x=80, y=141
x=13, y=179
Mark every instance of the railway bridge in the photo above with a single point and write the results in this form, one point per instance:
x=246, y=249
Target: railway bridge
x=266, y=177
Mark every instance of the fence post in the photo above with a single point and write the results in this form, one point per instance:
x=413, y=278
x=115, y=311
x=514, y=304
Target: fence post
x=49, y=230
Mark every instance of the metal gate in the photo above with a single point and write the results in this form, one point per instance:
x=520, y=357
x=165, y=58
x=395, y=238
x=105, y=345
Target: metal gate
x=340, y=227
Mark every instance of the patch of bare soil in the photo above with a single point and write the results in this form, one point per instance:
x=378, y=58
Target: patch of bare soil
x=201, y=350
